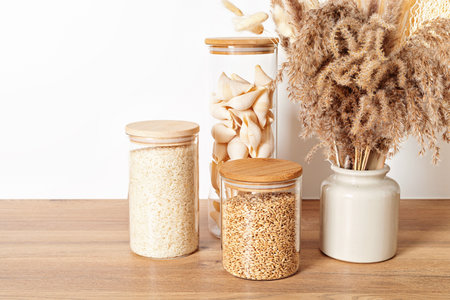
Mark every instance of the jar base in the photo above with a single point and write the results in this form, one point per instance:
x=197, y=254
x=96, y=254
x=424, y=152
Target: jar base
x=357, y=261
x=164, y=258
x=253, y=279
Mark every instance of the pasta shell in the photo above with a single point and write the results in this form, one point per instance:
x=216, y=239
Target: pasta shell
x=230, y=124
x=244, y=101
x=243, y=134
x=258, y=29
x=219, y=152
x=261, y=107
x=238, y=115
x=223, y=89
x=215, y=216
x=231, y=7
x=250, y=134
x=214, y=98
x=216, y=205
x=238, y=78
x=215, y=178
x=222, y=133
x=239, y=87
x=261, y=78
x=265, y=149
x=236, y=149
x=219, y=111
x=270, y=117
x=248, y=22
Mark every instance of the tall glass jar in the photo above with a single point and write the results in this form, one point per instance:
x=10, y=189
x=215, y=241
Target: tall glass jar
x=163, y=188
x=261, y=209
x=242, y=105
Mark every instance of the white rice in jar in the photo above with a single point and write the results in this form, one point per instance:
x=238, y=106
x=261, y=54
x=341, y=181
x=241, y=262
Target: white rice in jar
x=163, y=200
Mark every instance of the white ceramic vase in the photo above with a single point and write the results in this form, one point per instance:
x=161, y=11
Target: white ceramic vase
x=359, y=215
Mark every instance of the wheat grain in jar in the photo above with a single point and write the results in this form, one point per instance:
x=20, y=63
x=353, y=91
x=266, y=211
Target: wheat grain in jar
x=163, y=188
x=261, y=200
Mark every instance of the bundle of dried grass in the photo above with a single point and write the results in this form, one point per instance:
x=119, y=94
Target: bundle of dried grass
x=361, y=85
x=427, y=10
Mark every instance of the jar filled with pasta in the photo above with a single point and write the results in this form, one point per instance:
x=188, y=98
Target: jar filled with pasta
x=242, y=106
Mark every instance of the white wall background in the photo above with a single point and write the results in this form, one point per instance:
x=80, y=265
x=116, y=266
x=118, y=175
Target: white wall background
x=73, y=73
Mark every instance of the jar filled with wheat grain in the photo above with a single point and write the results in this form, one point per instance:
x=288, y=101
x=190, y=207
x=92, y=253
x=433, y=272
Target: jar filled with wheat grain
x=163, y=188
x=242, y=106
x=261, y=209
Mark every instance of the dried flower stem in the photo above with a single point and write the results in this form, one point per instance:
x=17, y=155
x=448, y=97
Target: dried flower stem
x=375, y=161
x=347, y=164
x=366, y=157
x=361, y=159
x=338, y=162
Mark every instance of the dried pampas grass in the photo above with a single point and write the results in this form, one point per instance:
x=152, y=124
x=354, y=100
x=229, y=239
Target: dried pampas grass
x=362, y=81
x=427, y=57
x=427, y=10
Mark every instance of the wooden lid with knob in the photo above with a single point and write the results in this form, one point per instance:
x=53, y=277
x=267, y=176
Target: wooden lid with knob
x=260, y=170
x=162, y=129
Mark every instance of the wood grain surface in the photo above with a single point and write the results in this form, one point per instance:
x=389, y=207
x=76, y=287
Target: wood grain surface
x=78, y=249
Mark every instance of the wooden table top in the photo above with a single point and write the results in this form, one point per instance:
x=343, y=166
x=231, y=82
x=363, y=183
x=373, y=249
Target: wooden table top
x=78, y=249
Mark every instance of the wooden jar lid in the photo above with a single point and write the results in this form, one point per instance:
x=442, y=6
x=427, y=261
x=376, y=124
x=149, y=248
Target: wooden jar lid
x=242, y=41
x=162, y=129
x=242, y=45
x=260, y=170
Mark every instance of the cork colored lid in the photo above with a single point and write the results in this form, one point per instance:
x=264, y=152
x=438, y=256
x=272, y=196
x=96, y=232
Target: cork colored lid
x=162, y=129
x=241, y=41
x=241, y=45
x=260, y=170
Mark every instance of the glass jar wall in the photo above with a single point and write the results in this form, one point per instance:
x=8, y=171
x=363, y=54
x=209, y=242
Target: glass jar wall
x=163, y=188
x=260, y=213
x=243, y=106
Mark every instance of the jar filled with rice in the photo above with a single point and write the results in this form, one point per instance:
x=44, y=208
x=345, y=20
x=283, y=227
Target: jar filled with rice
x=163, y=188
x=261, y=200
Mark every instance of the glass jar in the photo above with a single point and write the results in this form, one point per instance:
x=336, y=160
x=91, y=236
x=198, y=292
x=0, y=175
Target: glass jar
x=163, y=188
x=359, y=215
x=261, y=209
x=243, y=106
